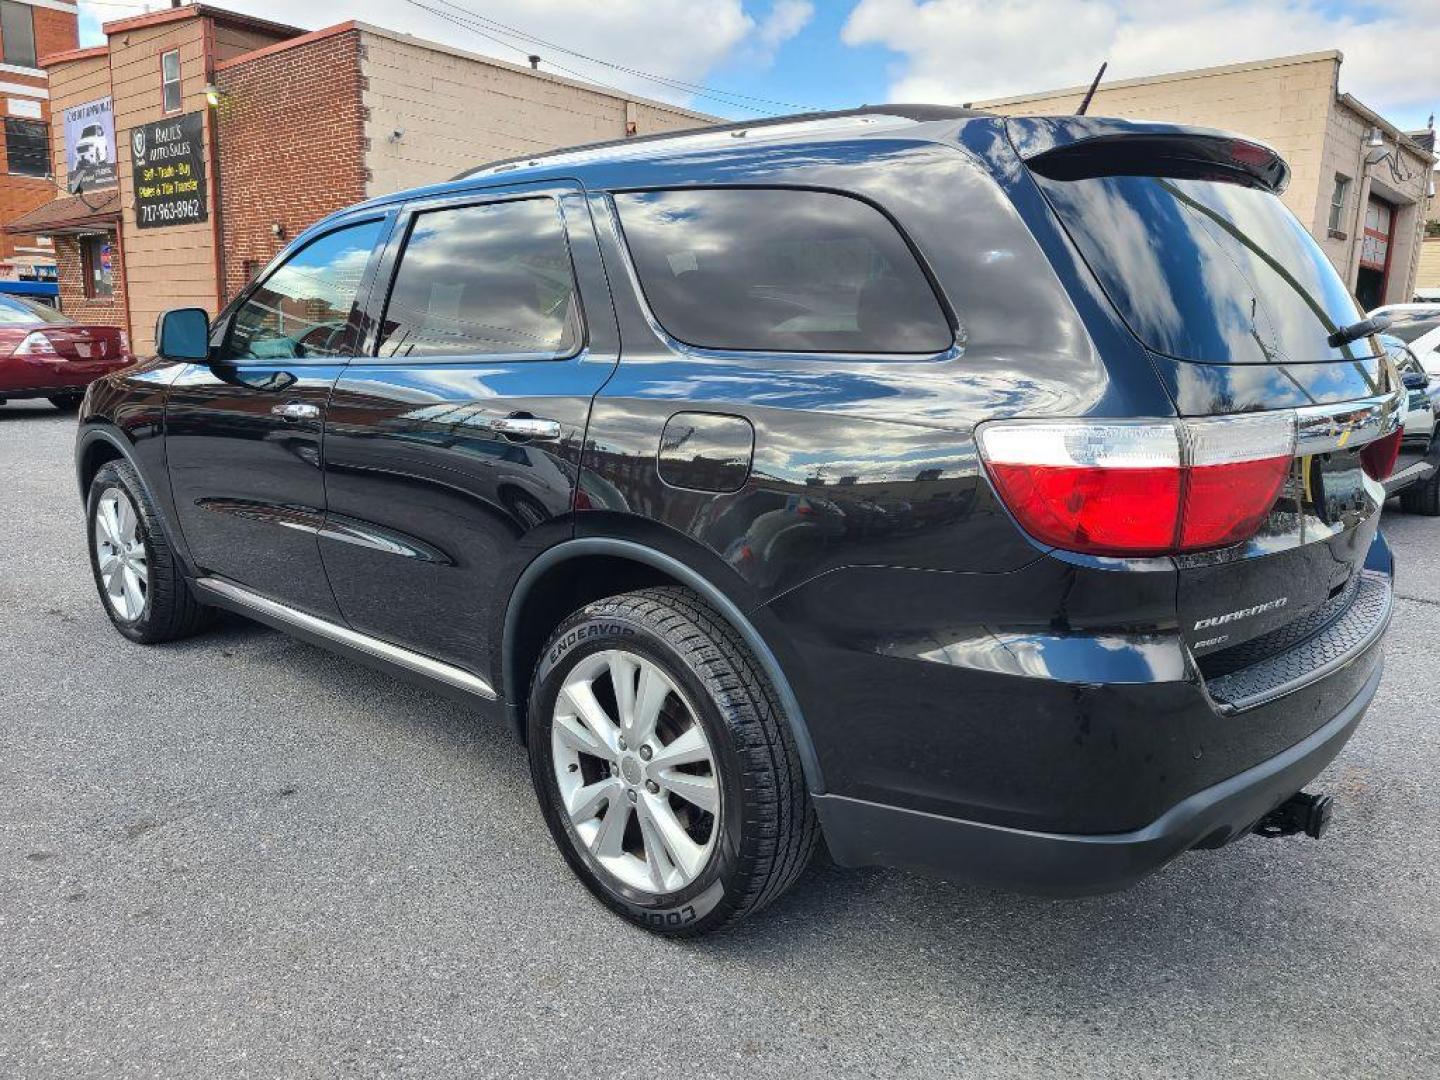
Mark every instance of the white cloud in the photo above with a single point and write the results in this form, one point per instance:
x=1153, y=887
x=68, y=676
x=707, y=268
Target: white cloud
x=969, y=50
x=676, y=39
x=786, y=19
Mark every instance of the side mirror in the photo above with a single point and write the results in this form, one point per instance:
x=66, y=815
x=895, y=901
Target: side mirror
x=1415, y=380
x=183, y=334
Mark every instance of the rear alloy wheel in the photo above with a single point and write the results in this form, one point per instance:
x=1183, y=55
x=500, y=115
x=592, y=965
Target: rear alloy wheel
x=664, y=765
x=637, y=777
x=140, y=581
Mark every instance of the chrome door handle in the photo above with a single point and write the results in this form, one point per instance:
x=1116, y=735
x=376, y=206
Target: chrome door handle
x=529, y=427
x=296, y=410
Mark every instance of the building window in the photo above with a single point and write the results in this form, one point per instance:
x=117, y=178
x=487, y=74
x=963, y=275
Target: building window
x=27, y=147
x=170, y=80
x=17, y=33
x=97, y=255
x=1337, y=202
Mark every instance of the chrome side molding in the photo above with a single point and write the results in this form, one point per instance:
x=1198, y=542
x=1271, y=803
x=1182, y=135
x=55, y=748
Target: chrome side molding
x=240, y=598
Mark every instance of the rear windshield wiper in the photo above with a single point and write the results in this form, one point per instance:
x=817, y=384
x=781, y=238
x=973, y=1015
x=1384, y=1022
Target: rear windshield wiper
x=1377, y=324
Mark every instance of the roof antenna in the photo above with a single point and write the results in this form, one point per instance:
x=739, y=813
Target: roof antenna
x=1091, y=92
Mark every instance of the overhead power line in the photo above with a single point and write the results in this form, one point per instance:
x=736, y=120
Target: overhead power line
x=498, y=32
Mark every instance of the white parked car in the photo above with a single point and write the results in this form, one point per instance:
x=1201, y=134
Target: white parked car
x=1418, y=325
x=1416, y=476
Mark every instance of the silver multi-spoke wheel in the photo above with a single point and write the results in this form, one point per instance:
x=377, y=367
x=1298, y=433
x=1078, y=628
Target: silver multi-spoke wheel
x=635, y=771
x=120, y=554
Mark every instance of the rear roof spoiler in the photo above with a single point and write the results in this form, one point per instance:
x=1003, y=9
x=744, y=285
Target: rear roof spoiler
x=1077, y=148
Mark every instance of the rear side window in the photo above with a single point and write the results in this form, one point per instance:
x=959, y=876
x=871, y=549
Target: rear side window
x=493, y=279
x=780, y=270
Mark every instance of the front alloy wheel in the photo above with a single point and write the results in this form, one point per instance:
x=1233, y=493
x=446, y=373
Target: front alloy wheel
x=140, y=581
x=120, y=555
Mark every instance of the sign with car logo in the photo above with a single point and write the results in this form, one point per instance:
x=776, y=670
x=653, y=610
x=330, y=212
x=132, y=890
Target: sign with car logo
x=168, y=158
x=90, y=146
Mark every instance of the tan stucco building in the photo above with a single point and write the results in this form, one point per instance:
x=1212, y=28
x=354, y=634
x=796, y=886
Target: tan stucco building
x=1358, y=183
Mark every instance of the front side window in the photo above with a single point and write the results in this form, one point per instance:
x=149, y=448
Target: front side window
x=170, y=80
x=780, y=270
x=491, y=279
x=97, y=253
x=1337, y=202
x=305, y=309
x=27, y=147
x=17, y=33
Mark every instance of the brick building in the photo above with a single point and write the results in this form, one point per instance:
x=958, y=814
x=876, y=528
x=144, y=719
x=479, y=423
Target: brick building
x=29, y=29
x=260, y=130
x=1358, y=183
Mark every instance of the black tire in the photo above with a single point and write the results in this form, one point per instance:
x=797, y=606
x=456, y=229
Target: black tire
x=170, y=610
x=1422, y=498
x=767, y=830
x=66, y=402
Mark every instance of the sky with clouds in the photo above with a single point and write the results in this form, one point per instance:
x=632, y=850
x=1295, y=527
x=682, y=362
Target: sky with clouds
x=742, y=58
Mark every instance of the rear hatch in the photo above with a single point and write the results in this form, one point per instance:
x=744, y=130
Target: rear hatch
x=1238, y=309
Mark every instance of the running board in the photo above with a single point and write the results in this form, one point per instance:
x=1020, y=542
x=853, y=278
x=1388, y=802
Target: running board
x=1421, y=470
x=240, y=599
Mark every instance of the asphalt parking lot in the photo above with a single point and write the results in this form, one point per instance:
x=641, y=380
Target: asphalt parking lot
x=240, y=856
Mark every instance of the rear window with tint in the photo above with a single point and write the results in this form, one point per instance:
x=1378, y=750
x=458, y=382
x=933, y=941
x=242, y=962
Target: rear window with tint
x=17, y=312
x=485, y=280
x=1204, y=270
x=780, y=270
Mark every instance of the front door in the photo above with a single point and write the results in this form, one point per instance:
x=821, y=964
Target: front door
x=452, y=451
x=243, y=431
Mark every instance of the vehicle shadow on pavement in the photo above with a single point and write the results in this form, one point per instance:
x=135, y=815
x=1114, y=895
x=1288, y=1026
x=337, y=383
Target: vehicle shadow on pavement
x=1196, y=921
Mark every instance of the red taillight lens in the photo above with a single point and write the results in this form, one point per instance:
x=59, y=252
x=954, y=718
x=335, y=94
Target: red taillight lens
x=1378, y=459
x=1095, y=510
x=36, y=344
x=1141, y=488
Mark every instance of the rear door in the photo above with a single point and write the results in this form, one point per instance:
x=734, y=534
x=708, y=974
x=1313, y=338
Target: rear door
x=452, y=448
x=243, y=429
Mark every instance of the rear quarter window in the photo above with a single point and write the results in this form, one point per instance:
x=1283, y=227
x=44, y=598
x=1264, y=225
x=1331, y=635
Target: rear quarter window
x=778, y=270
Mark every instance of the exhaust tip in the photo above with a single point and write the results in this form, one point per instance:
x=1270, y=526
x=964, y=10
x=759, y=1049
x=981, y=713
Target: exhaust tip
x=1301, y=813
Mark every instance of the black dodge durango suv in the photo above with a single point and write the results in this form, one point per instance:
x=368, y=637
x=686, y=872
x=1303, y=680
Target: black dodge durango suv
x=992, y=496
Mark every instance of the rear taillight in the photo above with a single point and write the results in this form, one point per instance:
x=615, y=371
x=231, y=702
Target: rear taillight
x=36, y=344
x=1378, y=458
x=1140, y=487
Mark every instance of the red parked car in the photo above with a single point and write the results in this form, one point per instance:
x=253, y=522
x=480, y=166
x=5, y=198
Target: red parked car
x=44, y=354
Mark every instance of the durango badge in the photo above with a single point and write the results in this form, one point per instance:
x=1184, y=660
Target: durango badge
x=1243, y=613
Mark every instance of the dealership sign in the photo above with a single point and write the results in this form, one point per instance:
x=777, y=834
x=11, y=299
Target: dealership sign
x=168, y=157
x=90, y=146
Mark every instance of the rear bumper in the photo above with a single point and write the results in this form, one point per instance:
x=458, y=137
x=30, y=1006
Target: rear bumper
x=22, y=377
x=861, y=833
